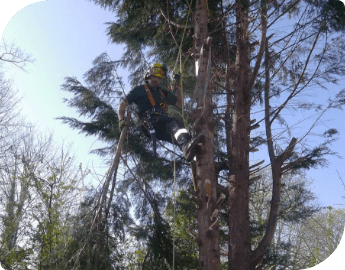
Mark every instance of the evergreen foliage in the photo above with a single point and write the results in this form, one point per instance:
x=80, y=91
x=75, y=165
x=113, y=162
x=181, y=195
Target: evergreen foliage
x=251, y=78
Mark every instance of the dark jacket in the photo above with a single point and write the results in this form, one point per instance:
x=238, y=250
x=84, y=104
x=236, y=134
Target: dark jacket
x=139, y=97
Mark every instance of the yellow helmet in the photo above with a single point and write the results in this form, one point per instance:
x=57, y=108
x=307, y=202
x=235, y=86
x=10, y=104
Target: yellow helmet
x=157, y=70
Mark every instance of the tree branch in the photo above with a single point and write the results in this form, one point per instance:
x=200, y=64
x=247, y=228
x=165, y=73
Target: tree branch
x=276, y=173
x=262, y=44
x=13, y=55
x=281, y=158
x=255, y=178
x=283, y=13
x=177, y=25
x=256, y=164
x=292, y=164
x=294, y=92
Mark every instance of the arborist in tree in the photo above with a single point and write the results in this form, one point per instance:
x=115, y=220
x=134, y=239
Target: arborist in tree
x=152, y=103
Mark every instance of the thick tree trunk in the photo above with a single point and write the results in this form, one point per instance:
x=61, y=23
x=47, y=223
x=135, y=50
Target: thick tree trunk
x=239, y=235
x=208, y=228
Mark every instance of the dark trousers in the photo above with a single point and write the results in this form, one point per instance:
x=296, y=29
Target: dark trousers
x=165, y=128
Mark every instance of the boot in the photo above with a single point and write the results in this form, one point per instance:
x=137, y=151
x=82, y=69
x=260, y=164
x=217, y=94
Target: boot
x=189, y=149
x=187, y=145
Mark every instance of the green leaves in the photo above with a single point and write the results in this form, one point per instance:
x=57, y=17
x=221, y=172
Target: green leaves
x=96, y=100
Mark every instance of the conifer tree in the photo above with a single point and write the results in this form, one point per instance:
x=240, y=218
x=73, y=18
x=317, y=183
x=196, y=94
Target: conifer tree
x=249, y=70
x=96, y=100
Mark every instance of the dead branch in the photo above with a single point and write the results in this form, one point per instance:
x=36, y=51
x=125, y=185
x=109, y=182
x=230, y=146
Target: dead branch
x=170, y=22
x=256, y=164
x=256, y=178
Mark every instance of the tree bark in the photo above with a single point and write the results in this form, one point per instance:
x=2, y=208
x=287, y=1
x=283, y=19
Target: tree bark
x=208, y=227
x=239, y=230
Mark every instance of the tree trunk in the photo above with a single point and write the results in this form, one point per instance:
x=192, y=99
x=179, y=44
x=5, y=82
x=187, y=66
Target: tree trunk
x=208, y=228
x=98, y=224
x=239, y=230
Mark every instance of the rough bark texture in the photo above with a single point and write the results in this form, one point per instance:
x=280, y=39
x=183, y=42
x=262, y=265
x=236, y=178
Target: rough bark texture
x=239, y=236
x=208, y=229
x=208, y=238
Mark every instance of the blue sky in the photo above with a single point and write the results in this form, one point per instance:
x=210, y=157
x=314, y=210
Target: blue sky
x=64, y=37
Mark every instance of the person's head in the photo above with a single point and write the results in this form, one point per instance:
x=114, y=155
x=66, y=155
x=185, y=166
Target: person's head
x=155, y=74
x=154, y=81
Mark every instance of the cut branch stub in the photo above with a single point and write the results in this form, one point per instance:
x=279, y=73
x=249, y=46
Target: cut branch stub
x=214, y=214
x=221, y=199
x=202, y=72
x=281, y=158
x=208, y=188
x=256, y=164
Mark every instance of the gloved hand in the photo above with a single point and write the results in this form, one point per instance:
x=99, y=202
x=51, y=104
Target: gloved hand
x=122, y=124
x=174, y=87
x=177, y=77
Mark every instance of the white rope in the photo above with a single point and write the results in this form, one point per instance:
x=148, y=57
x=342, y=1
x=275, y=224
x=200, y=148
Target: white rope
x=174, y=211
x=179, y=57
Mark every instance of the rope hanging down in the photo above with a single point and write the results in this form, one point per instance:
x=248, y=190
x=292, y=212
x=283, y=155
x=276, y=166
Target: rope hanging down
x=178, y=79
x=179, y=55
x=178, y=75
x=174, y=205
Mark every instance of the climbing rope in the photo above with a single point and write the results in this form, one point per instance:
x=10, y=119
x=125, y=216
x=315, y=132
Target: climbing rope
x=179, y=57
x=174, y=208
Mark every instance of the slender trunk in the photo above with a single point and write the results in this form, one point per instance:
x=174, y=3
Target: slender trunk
x=100, y=219
x=239, y=230
x=208, y=228
x=276, y=169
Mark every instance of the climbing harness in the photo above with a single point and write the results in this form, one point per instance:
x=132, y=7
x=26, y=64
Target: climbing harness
x=162, y=105
x=154, y=115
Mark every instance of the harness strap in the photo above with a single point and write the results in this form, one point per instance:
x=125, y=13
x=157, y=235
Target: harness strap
x=148, y=123
x=153, y=103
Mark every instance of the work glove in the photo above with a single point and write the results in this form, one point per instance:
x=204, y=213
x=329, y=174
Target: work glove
x=176, y=82
x=122, y=124
x=177, y=77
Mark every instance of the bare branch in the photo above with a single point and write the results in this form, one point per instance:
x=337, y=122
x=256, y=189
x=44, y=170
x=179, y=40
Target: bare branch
x=252, y=180
x=281, y=158
x=262, y=44
x=256, y=164
x=170, y=22
x=14, y=55
x=283, y=13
